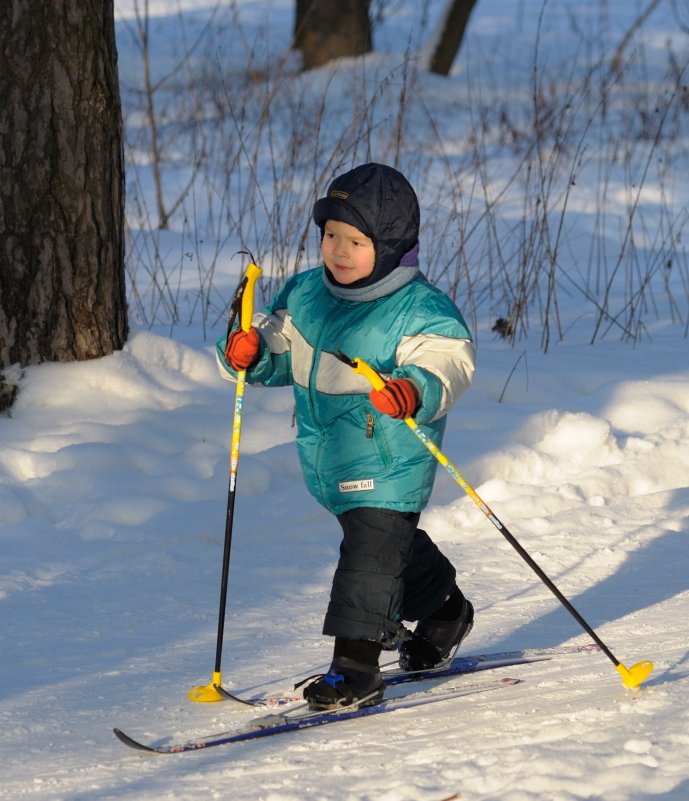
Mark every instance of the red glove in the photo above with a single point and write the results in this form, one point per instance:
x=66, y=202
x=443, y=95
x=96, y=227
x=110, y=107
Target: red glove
x=398, y=398
x=242, y=348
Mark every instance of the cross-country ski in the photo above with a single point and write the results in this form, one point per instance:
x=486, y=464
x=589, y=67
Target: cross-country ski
x=284, y=723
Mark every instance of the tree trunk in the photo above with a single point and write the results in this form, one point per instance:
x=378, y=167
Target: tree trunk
x=449, y=36
x=62, y=287
x=328, y=29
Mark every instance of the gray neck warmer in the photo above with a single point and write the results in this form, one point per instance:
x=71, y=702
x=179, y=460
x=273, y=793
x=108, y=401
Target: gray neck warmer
x=399, y=277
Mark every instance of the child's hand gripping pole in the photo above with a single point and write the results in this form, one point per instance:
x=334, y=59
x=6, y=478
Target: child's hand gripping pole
x=631, y=677
x=242, y=345
x=243, y=302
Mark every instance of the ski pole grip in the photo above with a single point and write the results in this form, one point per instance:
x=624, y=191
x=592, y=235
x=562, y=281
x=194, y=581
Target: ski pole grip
x=252, y=275
x=375, y=379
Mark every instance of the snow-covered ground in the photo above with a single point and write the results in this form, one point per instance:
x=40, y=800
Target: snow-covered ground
x=113, y=483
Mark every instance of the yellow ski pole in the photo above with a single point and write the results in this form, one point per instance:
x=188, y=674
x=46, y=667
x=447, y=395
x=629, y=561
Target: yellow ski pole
x=244, y=302
x=631, y=677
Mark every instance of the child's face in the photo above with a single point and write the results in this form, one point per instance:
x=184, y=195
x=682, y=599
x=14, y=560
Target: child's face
x=348, y=254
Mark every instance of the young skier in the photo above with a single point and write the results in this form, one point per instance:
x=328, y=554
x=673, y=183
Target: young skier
x=369, y=300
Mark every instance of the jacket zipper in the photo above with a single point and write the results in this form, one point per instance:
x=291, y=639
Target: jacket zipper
x=378, y=438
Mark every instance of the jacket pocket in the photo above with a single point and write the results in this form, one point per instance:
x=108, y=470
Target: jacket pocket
x=375, y=435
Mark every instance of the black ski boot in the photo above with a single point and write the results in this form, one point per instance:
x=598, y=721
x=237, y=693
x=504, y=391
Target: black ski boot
x=437, y=636
x=354, y=677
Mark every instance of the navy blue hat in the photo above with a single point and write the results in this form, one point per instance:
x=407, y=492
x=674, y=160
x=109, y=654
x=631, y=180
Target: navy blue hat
x=380, y=202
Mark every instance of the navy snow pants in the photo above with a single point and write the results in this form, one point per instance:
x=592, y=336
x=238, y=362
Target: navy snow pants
x=389, y=571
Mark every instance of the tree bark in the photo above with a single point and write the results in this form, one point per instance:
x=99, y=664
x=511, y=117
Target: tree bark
x=62, y=285
x=450, y=34
x=329, y=29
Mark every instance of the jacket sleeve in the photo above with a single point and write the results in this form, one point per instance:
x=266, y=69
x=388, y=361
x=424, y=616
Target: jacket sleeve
x=274, y=326
x=439, y=356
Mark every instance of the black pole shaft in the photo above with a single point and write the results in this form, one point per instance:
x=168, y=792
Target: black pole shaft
x=229, y=519
x=526, y=556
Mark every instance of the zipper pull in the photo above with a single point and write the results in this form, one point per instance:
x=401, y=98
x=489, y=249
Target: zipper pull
x=370, y=423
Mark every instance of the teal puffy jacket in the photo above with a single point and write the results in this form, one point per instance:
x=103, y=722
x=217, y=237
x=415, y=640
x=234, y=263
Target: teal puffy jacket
x=351, y=455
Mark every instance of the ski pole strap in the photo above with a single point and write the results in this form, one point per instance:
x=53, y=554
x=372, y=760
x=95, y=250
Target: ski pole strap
x=235, y=306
